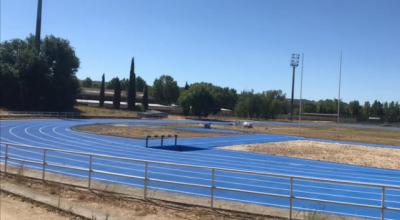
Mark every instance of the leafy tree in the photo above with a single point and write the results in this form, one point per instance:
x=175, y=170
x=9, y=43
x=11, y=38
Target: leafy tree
x=102, y=92
x=112, y=84
x=165, y=90
x=132, y=86
x=186, y=86
x=145, y=98
x=117, y=94
x=87, y=82
x=140, y=84
x=197, y=101
x=355, y=109
x=38, y=81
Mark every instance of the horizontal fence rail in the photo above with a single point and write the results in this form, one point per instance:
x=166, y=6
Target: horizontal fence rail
x=42, y=161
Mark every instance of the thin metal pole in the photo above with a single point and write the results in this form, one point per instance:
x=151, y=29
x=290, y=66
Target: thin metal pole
x=146, y=179
x=44, y=164
x=292, y=99
x=6, y=159
x=383, y=203
x=162, y=140
x=90, y=171
x=147, y=141
x=291, y=199
x=340, y=85
x=212, y=186
x=301, y=86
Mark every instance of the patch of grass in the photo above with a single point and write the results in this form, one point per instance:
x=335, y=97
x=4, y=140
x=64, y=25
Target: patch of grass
x=93, y=111
x=142, y=131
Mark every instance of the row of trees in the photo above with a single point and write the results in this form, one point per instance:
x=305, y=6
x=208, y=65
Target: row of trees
x=32, y=79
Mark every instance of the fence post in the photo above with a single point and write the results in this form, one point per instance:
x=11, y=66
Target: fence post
x=212, y=186
x=291, y=199
x=6, y=159
x=147, y=141
x=146, y=166
x=162, y=140
x=90, y=171
x=176, y=140
x=383, y=203
x=44, y=164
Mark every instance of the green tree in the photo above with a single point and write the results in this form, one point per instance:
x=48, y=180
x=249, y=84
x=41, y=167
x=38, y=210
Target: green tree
x=87, y=82
x=197, y=101
x=140, y=84
x=165, y=90
x=38, y=81
x=117, y=93
x=186, y=86
x=145, y=98
x=355, y=109
x=132, y=86
x=102, y=91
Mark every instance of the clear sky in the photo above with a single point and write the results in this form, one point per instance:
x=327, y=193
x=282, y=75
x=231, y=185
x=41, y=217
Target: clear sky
x=244, y=44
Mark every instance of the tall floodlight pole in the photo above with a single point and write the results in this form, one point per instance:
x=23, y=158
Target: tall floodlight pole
x=301, y=86
x=340, y=85
x=294, y=63
x=38, y=26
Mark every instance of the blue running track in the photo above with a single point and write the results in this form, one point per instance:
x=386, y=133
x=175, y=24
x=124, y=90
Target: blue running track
x=58, y=134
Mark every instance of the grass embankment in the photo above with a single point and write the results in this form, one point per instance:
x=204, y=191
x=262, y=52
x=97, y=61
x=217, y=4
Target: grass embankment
x=331, y=152
x=123, y=130
x=97, y=111
x=364, y=135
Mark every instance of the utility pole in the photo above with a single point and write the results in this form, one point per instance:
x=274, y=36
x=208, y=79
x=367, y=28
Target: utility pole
x=294, y=63
x=340, y=85
x=301, y=86
x=38, y=26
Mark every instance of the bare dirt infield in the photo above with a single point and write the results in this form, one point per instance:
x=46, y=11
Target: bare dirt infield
x=331, y=152
x=142, y=131
x=364, y=135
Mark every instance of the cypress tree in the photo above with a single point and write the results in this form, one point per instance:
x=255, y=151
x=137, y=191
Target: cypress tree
x=187, y=86
x=102, y=95
x=117, y=94
x=145, y=98
x=132, y=86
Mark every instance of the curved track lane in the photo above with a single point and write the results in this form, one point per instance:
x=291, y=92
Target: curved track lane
x=58, y=134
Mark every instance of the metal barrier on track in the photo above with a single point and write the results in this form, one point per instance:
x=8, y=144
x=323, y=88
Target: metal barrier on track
x=212, y=187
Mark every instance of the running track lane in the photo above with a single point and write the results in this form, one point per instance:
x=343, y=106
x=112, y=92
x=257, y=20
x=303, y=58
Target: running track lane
x=58, y=134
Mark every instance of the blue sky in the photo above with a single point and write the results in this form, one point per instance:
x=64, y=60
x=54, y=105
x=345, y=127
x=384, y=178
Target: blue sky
x=244, y=44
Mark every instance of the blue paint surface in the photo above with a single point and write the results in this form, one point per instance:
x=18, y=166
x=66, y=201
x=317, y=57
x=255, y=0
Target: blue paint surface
x=201, y=151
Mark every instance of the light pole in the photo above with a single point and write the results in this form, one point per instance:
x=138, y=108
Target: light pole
x=294, y=63
x=301, y=86
x=38, y=26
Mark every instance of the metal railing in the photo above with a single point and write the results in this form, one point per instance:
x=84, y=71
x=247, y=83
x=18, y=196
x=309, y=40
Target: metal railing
x=212, y=187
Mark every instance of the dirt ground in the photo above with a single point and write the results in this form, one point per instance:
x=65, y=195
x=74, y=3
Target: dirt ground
x=16, y=208
x=365, y=135
x=339, y=153
x=119, y=207
x=142, y=131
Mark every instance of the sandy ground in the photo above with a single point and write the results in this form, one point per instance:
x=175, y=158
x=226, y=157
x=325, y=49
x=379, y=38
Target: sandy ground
x=332, y=152
x=16, y=208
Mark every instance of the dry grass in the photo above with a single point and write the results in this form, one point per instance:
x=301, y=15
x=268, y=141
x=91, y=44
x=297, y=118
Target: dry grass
x=142, y=131
x=92, y=111
x=365, y=135
x=339, y=153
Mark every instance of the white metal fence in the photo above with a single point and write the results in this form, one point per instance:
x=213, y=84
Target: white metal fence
x=7, y=158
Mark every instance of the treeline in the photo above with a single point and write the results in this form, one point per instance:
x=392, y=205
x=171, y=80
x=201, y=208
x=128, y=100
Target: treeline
x=38, y=80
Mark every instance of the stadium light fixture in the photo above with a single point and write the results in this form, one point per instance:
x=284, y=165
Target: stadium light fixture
x=294, y=62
